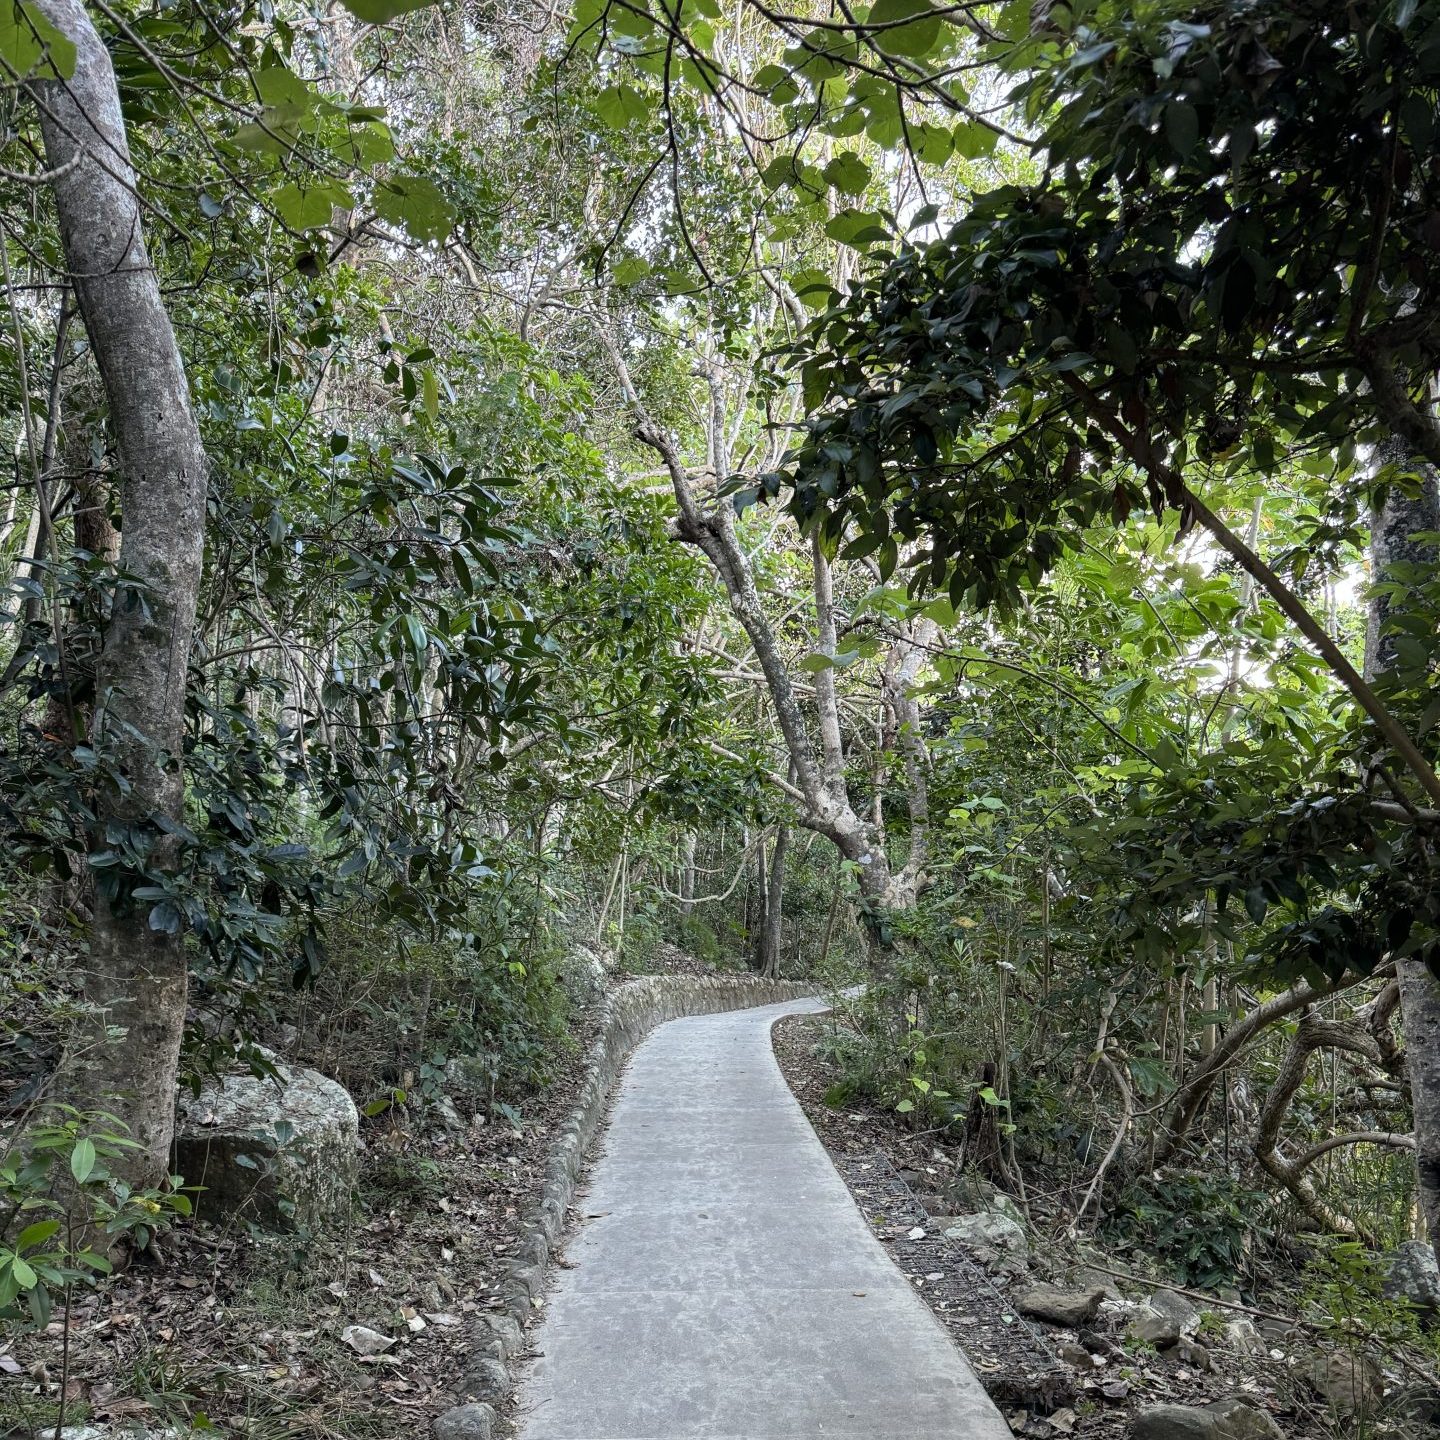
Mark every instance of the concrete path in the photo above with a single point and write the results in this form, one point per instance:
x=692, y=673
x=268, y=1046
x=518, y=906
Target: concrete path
x=724, y=1286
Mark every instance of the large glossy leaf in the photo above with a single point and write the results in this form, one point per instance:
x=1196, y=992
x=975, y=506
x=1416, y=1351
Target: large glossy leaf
x=381, y=12
x=414, y=203
x=30, y=46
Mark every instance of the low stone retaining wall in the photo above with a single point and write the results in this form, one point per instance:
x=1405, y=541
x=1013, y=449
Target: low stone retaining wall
x=627, y=1016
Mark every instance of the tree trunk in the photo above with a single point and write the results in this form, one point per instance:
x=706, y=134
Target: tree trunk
x=757, y=902
x=1420, y=1017
x=687, y=874
x=1393, y=542
x=767, y=957
x=136, y=981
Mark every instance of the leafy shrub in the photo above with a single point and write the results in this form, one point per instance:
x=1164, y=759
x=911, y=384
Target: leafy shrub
x=695, y=934
x=64, y=1207
x=1202, y=1226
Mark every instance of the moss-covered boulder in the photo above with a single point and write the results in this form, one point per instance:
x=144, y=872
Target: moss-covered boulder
x=281, y=1151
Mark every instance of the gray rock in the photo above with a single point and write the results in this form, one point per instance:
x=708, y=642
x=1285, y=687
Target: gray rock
x=486, y=1378
x=1413, y=1274
x=1177, y=1308
x=1192, y=1353
x=1098, y=1344
x=971, y=1193
x=1224, y=1420
x=1002, y=1204
x=1072, y=1308
x=1418, y=1403
x=992, y=1232
x=465, y=1422
x=505, y=1329
x=584, y=974
x=1150, y=1327
x=443, y=1115
x=1241, y=1335
x=472, y=1077
x=282, y=1154
x=1350, y=1384
x=1089, y=1278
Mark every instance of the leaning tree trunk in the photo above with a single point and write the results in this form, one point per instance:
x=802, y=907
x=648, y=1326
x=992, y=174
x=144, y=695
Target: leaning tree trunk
x=1394, y=542
x=136, y=981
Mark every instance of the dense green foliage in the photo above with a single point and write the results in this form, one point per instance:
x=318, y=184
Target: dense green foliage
x=669, y=460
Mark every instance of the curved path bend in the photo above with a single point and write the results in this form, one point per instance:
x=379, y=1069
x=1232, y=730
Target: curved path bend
x=723, y=1286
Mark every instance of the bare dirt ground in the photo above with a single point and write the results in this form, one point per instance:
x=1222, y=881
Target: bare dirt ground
x=896, y=1175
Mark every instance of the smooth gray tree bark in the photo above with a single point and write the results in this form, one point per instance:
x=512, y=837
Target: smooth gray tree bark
x=136, y=981
x=1394, y=542
x=767, y=954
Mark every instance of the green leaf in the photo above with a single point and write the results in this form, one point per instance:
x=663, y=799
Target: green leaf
x=307, y=206
x=278, y=85
x=82, y=1159
x=1182, y=127
x=848, y=173
x=812, y=288
x=414, y=203
x=621, y=106
x=629, y=270
x=25, y=1277
x=30, y=46
x=912, y=40
x=381, y=12
x=36, y=1234
x=858, y=229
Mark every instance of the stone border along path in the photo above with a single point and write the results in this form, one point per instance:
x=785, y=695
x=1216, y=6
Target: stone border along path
x=724, y=1286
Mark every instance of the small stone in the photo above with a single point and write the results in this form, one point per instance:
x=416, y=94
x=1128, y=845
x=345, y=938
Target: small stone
x=1150, y=1327
x=1088, y=1278
x=1192, y=1353
x=1076, y=1355
x=1241, y=1335
x=1350, y=1383
x=990, y=1231
x=1098, y=1344
x=1071, y=1308
x=465, y=1422
x=1177, y=1308
x=1229, y=1419
x=486, y=1378
x=505, y=1329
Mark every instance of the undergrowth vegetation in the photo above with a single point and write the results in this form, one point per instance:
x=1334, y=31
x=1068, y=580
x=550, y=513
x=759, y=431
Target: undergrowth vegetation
x=939, y=500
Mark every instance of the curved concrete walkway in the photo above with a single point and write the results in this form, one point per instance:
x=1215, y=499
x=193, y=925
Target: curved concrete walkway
x=723, y=1285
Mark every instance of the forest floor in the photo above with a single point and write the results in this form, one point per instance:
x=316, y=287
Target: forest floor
x=228, y=1328
x=242, y=1332
x=899, y=1179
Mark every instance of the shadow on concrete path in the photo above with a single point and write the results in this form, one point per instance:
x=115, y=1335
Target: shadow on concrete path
x=724, y=1286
